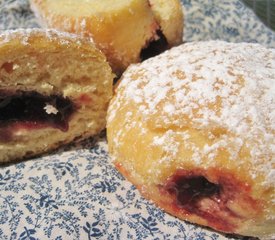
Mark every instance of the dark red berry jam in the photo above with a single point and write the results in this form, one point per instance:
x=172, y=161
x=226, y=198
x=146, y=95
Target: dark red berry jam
x=28, y=109
x=190, y=189
x=155, y=47
x=192, y=193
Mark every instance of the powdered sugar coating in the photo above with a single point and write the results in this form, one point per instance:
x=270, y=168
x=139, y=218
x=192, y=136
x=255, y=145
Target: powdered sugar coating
x=209, y=85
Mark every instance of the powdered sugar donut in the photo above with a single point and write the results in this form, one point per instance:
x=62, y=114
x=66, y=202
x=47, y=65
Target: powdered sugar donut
x=193, y=130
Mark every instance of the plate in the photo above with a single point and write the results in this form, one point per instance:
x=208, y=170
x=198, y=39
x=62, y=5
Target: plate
x=228, y=20
x=75, y=192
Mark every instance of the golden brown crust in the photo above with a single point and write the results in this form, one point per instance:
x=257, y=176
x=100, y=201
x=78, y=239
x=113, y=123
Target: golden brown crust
x=199, y=115
x=169, y=15
x=121, y=33
x=50, y=63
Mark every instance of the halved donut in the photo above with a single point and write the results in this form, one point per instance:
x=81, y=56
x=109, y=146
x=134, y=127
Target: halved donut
x=54, y=88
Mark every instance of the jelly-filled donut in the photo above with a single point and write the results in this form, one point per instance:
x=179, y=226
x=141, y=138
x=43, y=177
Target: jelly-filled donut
x=193, y=130
x=127, y=31
x=54, y=87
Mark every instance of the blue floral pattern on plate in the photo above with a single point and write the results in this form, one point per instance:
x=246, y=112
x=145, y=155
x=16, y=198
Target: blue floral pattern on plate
x=228, y=20
x=75, y=192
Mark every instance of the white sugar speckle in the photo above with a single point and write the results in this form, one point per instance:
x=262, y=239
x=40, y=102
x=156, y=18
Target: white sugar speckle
x=159, y=140
x=50, y=109
x=169, y=108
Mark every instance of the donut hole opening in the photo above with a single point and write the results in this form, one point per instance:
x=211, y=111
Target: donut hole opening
x=30, y=109
x=191, y=189
x=222, y=203
x=154, y=47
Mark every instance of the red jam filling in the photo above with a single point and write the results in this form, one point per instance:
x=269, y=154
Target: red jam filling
x=154, y=47
x=190, y=189
x=28, y=110
x=192, y=193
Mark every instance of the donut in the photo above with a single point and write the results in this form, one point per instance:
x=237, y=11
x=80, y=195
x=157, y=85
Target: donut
x=193, y=130
x=127, y=31
x=54, y=88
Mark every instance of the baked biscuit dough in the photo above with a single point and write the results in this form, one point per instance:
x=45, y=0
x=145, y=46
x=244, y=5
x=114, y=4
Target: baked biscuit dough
x=54, y=88
x=121, y=28
x=193, y=130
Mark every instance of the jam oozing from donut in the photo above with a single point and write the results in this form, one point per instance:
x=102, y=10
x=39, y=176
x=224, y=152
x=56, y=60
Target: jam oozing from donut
x=189, y=190
x=222, y=204
x=154, y=47
x=29, y=110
